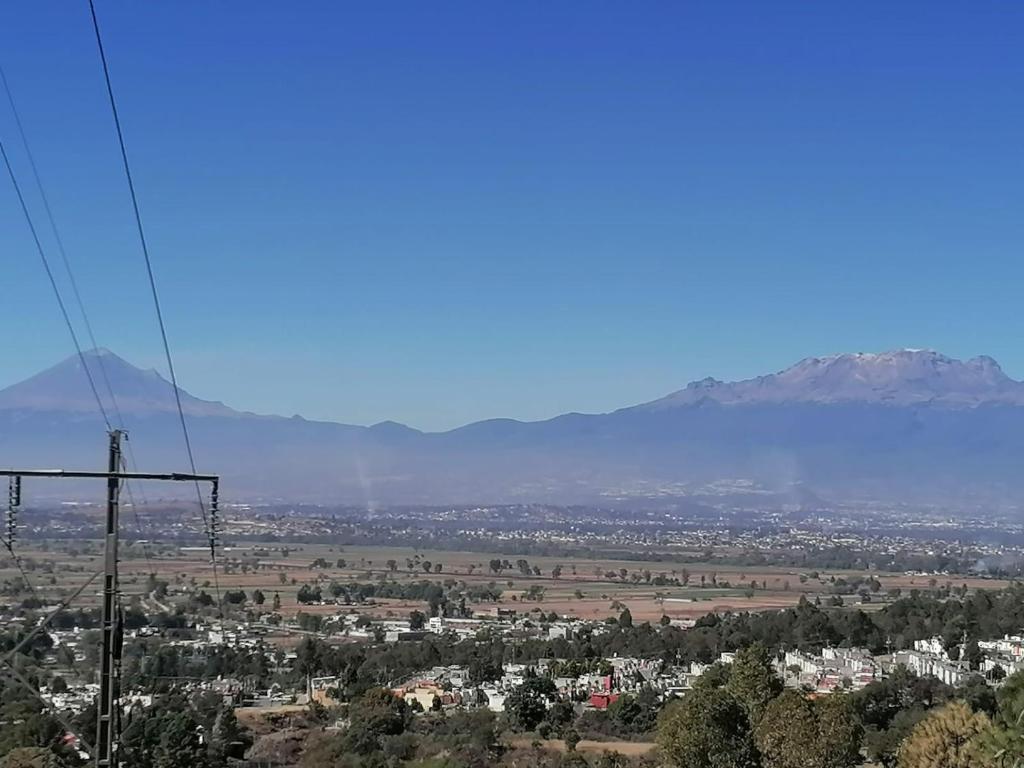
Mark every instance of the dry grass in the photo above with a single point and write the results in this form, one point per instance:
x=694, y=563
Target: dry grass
x=628, y=748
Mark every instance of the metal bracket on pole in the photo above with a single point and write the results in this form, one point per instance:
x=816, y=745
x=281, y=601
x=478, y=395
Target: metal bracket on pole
x=108, y=704
x=11, y=516
x=214, y=519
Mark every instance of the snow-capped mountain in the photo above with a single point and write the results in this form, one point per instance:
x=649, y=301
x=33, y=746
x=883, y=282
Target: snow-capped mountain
x=900, y=377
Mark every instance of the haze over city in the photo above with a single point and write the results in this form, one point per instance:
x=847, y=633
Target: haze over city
x=478, y=385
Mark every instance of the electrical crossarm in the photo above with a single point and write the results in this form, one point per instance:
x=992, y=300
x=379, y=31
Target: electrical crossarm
x=110, y=659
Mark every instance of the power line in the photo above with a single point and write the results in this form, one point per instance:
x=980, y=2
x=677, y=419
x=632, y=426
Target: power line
x=76, y=293
x=153, y=288
x=53, y=282
x=58, y=240
x=135, y=514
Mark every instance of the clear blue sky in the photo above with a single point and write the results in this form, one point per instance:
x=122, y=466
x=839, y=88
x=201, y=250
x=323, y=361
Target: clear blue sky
x=441, y=212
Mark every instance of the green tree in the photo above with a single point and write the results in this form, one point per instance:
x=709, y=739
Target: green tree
x=179, y=744
x=25, y=725
x=841, y=731
x=374, y=716
x=798, y=733
x=526, y=708
x=753, y=681
x=1004, y=740
x=707, y=729
x=787, y=735
x=882, y=744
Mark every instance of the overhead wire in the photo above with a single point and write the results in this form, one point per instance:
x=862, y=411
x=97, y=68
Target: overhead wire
x=30, y=156
x=59, y=240
x=155, y=295
x=53, y=282
x=67, y=320
x=44, y=198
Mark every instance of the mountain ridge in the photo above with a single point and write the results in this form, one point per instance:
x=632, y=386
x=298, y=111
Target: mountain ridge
x=896, y=377
x=906, y=425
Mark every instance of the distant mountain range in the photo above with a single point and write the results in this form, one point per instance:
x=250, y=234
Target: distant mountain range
x=901, y=426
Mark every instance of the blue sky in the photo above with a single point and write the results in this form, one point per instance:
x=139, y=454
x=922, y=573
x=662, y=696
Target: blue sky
x=441, y=212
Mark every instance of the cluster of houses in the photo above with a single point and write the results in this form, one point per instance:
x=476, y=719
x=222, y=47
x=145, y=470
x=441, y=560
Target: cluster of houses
x=930, y=658
x=595, y=686
x=831, y=670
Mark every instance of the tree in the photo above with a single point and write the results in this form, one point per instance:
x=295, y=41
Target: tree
x=707, y=729
x=417, y=620
x=227, y=737
x=798, y=733
x=973, y=654
x=560, y=715
x=31, y=757
x=840, y=731
x=947, y=738
x=753, y=681
x=277, y=602
x=883, y=745
x=27, y=726
x=308, y=594
x=308, y=658
x=167, y=735
x=525, y=707
x=571, y=740
x=484, y=669
x=978, y=695
x=787, y=735
x=1004, y=740
x=374, y=716
x=258, y=597
x=625, y=619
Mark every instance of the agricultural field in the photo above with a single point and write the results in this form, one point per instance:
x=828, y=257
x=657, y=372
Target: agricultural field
x=587, y=588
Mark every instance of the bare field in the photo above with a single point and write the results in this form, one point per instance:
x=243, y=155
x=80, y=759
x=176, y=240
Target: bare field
x=586, y=587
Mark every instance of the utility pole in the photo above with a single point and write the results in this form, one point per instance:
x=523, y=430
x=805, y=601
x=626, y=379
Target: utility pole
x=110, y=623
x=108, y=706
